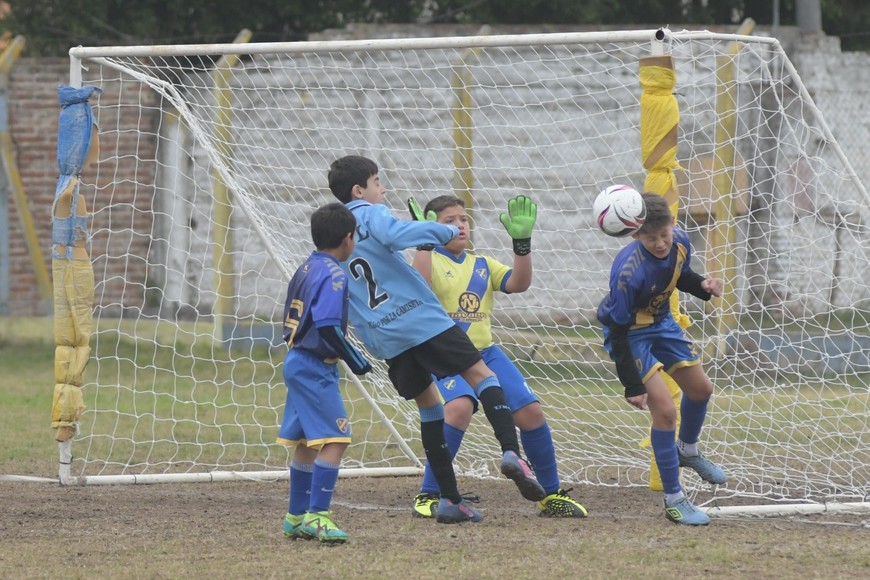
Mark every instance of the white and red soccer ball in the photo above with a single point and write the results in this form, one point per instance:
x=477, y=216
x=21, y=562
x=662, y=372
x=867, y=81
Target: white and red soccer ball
x=619, y=210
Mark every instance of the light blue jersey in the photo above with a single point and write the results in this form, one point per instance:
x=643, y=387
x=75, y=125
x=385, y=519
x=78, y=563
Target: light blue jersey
x=391, y=307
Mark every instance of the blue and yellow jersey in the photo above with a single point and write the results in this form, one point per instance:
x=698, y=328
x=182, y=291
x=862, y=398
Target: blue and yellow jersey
x=641, y=284
x=465, y=287
x=317, y=296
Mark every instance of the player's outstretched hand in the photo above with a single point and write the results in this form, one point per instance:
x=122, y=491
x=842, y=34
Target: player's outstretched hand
x=520, y=219
x=417, y=212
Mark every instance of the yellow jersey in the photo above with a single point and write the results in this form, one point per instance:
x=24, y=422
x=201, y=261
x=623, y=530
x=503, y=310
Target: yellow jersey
x=464, y=285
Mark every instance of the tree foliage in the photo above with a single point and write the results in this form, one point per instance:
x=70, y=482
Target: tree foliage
x=52, y=27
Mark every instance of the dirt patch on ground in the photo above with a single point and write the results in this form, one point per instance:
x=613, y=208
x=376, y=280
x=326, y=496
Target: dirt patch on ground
x=233, y=530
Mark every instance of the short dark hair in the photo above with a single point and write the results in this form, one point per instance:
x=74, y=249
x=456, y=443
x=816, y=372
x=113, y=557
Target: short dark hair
x=348, y=171
x=441, y=203
x=658, y=214
x=330, y=224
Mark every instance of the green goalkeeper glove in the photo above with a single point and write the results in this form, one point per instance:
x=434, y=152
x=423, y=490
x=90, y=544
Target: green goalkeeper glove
x=417, y=212
x=519, y=223
x=417, y=216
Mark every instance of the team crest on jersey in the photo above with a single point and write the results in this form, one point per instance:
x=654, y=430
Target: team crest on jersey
x=469, y=302
x=450, y=385
x=482, y=272
x=342, y=424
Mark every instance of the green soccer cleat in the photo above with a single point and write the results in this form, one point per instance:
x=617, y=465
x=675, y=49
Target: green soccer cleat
x=426, y=505
x=560, y=505
x=319, y=526
x=292, y=526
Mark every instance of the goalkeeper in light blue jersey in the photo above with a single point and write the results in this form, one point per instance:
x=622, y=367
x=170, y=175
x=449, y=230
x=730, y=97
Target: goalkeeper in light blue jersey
x=642, y=338
x=400, y=320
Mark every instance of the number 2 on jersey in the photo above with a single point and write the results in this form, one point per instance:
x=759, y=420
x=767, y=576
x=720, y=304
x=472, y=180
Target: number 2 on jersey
x=359, y=268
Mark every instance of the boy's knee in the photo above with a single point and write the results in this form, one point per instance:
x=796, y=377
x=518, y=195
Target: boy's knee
x=459, y=411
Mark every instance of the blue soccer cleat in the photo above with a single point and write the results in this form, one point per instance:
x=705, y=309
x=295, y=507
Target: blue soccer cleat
x=454, y=513
x=684, y=512
x=706, y=469
x=515, y=468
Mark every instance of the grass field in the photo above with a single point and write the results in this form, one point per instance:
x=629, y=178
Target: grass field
x=232, y=529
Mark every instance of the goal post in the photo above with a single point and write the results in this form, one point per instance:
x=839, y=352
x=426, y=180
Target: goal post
x=554, y=116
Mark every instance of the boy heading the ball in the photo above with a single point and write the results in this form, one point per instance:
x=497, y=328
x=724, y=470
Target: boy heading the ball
x=465, y=284
x=401, y=321
x=642, y=338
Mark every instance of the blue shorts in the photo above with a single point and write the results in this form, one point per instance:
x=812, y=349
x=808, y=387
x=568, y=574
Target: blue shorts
x=314, y=413
x=517, y=392
x=660, y=345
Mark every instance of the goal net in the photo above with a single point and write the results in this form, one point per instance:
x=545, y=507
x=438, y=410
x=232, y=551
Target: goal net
x=213, y=158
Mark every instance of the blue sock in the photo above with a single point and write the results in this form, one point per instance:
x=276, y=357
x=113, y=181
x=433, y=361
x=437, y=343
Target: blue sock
x=692, y=414
x=665, y=450
x=538, y=445
x=453, y=436
x=322, y=485
x=300, y=487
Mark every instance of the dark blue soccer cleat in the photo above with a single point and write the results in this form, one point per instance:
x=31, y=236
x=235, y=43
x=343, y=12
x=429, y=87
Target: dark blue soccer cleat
x=515, y=468
x=454, y=513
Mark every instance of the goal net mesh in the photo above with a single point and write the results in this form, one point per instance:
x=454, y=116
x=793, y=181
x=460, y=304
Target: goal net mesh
x=210, y=168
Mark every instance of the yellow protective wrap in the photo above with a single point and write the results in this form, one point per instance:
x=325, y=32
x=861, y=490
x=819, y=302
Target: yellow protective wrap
x=73, y=326
x=659, y=122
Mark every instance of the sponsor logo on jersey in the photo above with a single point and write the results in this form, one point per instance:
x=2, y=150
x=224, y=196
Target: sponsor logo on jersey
x=469, y=302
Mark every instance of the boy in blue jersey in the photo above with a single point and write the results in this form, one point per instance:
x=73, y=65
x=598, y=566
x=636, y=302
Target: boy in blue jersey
x=401, y=321
x=465, y=284
x=315, y=420
x=642, y=338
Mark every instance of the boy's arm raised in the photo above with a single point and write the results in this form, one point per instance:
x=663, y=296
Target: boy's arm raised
x=519, y=223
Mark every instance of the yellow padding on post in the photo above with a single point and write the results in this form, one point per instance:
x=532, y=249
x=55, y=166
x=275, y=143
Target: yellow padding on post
x=67, y=406
x=73, y=302
x=70, y=363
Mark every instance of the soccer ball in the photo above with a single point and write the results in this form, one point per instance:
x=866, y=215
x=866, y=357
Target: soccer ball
x=619, y=210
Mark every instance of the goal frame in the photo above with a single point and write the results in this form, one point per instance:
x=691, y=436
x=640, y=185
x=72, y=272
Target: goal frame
x=654, y=36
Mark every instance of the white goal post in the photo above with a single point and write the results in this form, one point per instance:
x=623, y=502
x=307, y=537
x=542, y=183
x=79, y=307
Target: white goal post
x=197, y=226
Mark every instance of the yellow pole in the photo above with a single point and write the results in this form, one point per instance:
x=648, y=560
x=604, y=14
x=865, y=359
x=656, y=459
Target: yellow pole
x=723, y=236
x=7, y=151
x=462, y=128
x=659, y=123
x=222, y=211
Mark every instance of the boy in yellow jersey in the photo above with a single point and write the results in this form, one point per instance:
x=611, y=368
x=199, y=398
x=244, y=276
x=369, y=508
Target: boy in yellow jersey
x=464, y=284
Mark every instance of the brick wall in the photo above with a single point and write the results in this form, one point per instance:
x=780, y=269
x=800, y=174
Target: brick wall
x=33, y=115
